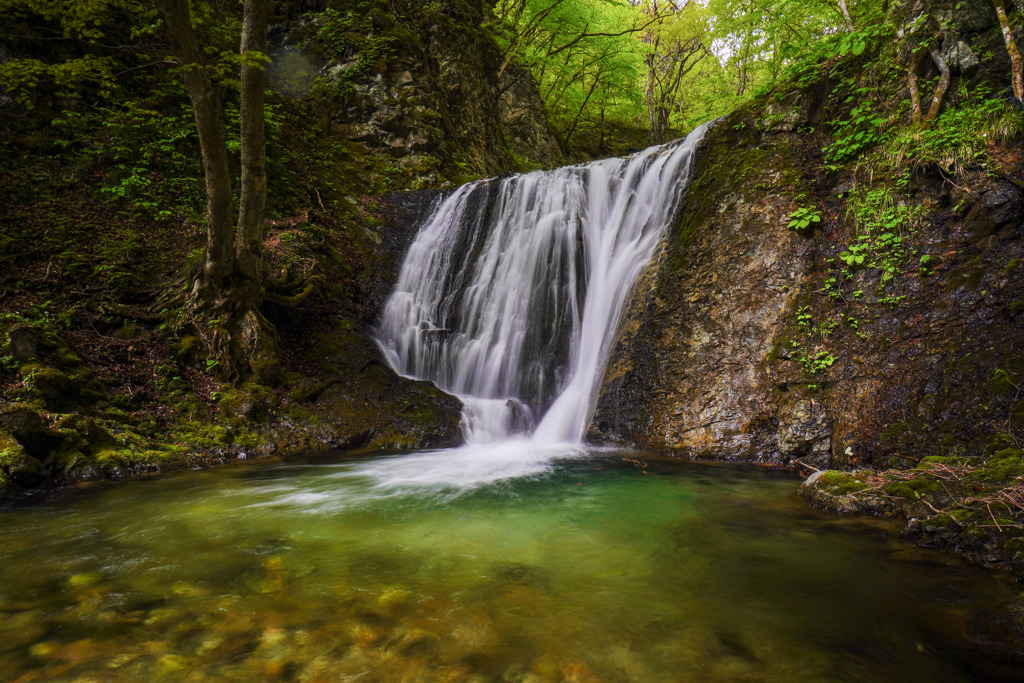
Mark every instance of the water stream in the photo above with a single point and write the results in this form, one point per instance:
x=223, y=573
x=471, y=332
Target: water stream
x=511, y=294
x=594, y=571
x=522, y=557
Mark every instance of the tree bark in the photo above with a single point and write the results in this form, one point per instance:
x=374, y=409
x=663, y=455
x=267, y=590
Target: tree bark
x=940, y=89
x=847, y=19
x=1016, y=62
x=209, y=116
x=253, y=191
x=915, y=92
x=222, y=307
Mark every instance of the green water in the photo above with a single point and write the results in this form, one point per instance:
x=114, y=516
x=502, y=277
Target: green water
x=591, y=570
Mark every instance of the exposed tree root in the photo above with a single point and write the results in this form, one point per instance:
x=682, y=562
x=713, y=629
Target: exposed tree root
x=224, y=328
x=295, y=299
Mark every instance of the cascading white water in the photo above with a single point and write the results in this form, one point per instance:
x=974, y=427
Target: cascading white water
x=511, y=294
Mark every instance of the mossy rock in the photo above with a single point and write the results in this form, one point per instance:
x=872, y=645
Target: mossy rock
x=954, y=460
x=128, y=332
x=1014, y=546
x=17, y=464
x=840, y=483
x=240, y=404
x=306, y=390
x=54, y=384
x=115, y=414
x=70, y=459
x=112, y=460
x=895, y=430
x=941, y=522
x=202, y=435
x=914, y=489
x=23, y=341
x=1005, y=466
x=66, y=358
x=187, y=346
x=265, y=366
x=999, y=441
x=20, y=420
x=262, y=393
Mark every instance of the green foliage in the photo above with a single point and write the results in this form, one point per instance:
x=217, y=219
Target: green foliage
x=22, y=78
x=147, y=149
x=804, y=349
x=587, y=64
x=855, y=253
x=813, y=362
x=746, y=48
x=861, y=131
x=803, y=217
x=884, y=221
x=350, y=32
x=83, y=62
x=957, y=139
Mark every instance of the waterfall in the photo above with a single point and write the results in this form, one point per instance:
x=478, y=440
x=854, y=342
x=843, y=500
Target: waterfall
x=511, y=294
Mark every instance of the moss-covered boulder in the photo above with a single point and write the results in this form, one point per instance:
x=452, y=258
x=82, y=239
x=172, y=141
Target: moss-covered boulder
x=23, y=341
x=974, y=505
x=16, y=464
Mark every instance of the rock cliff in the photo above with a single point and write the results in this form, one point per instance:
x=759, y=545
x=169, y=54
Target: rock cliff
x=418, y=83
x=750, y=340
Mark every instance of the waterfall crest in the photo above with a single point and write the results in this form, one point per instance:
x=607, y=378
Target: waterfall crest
x=511, y=294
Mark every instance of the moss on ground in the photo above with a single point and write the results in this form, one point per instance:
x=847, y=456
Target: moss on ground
x=841, y=483
x=973, y=504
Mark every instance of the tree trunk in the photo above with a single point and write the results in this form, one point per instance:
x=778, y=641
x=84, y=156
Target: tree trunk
x=209, y=116
x=253, y=192
x=652, y=77
x=221, y=309
x=940, y=89
x=1016, y=62
x=847, y=19
x=915, y=92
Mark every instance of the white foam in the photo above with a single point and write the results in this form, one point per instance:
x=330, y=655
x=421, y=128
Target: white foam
x=510, y=298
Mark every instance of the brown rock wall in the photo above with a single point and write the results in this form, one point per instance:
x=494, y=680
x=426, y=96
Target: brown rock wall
x=718, y=352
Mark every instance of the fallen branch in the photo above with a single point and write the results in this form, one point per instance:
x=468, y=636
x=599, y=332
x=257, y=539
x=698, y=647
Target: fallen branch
x=988, y=506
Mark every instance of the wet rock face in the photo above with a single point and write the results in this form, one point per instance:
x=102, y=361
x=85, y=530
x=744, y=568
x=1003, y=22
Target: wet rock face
x=402, y=213
x=973, y=15
x=350, y=397
x=706, y=364
x=358, y=402
x=526, y=130
x=690, y=370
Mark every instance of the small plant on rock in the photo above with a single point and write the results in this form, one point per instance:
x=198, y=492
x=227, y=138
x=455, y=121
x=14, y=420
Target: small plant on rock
x=803, y=217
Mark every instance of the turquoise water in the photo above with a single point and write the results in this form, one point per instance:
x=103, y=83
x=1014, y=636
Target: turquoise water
x=590, y=569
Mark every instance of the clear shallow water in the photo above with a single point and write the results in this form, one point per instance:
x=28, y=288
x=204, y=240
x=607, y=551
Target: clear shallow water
x=586, y=569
